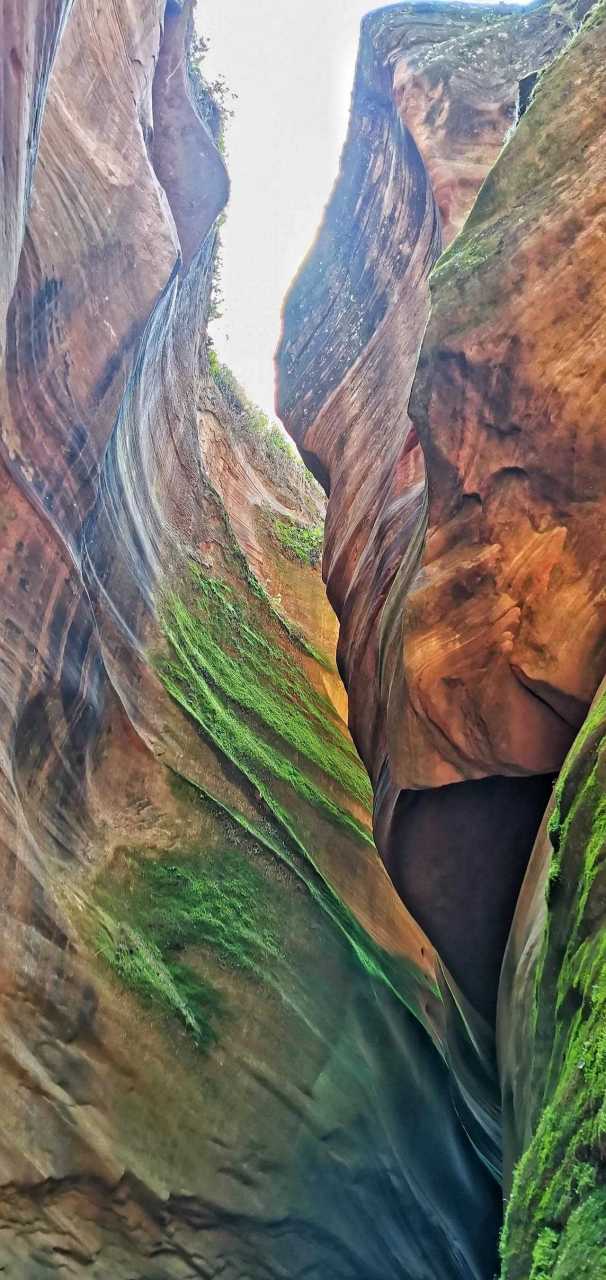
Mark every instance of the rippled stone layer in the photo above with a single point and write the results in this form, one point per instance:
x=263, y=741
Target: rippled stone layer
x=228, y=1046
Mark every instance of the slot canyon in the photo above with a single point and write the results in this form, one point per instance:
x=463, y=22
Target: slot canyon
x=303, y=745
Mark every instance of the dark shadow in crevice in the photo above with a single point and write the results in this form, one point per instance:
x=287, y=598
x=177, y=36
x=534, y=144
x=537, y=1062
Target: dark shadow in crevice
x=457, y=856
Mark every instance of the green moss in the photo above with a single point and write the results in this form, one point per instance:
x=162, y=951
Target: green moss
x=278, y=838
x=164, y=926
x=543, y=1255
x=303, y=542
x=467, y=254
x=219, y=902
x=217, y=905
x=252, y=701
x=272, y=610
x=225, y=667
x=556, y=1219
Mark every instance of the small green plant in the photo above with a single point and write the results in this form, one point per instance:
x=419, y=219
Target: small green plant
x=544, y=1255
x=303, y=542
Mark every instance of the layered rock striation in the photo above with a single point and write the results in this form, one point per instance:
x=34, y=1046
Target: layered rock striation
x=223, y=1042
x=454, y=413
x=188, y=880
x=435, y=95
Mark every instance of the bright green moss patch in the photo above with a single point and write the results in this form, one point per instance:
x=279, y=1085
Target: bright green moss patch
x=543, y=1255
x=218, y=906
x=255, y=705
x=303, y=542
x=218, y=902
x=556, y=1222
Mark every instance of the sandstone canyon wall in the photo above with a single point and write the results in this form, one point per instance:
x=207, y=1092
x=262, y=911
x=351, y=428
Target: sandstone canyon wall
x=236, y=1042
x=223, y=1044
x=453, y=408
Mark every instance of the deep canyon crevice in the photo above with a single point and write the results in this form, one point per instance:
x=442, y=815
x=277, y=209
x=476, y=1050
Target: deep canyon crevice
x=240, y=1037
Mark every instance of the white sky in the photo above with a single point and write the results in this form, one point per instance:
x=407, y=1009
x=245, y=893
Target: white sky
x=291, y=62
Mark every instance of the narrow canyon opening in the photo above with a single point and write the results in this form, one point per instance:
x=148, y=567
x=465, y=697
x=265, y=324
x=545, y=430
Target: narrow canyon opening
x=303, y=953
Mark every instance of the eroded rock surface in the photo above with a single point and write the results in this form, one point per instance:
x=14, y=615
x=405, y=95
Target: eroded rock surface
x=232, y=1044
x=436, y=92
x=223, y=1040
x=456, y=419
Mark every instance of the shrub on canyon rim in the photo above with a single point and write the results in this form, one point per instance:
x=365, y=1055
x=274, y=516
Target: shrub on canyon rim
x=266, y=443
x=213, y=98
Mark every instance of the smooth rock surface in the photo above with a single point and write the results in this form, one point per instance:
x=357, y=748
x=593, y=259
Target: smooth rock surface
x=232, y=1044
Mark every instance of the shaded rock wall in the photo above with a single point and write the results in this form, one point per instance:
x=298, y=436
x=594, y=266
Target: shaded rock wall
x=551, y=1032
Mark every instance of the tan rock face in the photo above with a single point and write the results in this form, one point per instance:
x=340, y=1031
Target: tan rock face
x=227, y=1038
x=30, y=35
x=182, y=151
x=451, y=79
x=509, y=403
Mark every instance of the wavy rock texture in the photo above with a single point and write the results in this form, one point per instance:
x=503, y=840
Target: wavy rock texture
x=435, y=94
x=228, y=1047
x=509, y=404
x=224, y=1047
x=462, y=535
x=551, y=1014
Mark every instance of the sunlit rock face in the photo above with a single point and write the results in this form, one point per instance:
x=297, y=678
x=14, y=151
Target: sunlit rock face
x=224, y=1047
x=509, y=404
x=441, y=79
x=502, y=639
